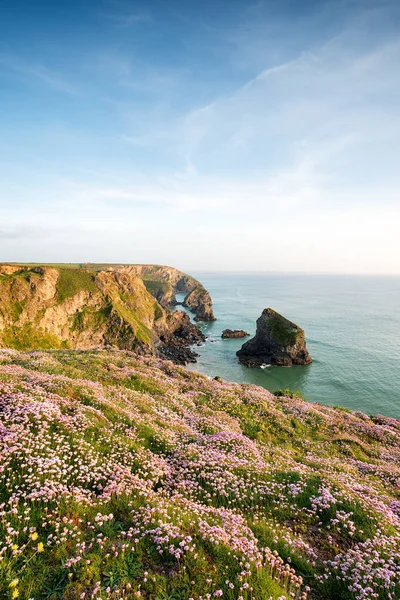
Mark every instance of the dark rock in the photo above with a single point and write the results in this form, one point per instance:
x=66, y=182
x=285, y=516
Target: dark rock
x=233, y=333
x=179, y=325
x=277, y=342
x=199, y=302
x=177, y=337
x=177, y=351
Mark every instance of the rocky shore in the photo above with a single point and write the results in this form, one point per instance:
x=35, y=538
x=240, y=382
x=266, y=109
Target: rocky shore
x=177, y=340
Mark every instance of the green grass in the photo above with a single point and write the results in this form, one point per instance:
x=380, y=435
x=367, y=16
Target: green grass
x=283, y=333
x=158, y=312
x=71, y=281
x=28, y=337
x=135, y=382
x=155, y=287
x=141, y=332
x=90, y=317
x=119, y=314
x=17, y=308
x=22, y=273
x=287, y=393
x=142, y=413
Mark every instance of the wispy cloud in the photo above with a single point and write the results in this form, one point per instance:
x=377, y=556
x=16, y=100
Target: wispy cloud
x=271, y=71
x=128, y=19
x=272, y=149
x=37, y=72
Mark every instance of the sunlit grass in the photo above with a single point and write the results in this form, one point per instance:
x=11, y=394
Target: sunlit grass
x=124, y=477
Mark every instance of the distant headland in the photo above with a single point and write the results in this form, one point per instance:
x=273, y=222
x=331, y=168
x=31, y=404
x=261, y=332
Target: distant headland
x=87, y=306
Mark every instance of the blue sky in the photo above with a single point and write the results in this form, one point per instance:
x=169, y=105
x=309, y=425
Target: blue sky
x=234, y=135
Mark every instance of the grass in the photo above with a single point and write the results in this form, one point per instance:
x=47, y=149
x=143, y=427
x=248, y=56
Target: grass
x=122, y=316
x=55, y=265
x=17, y=308
x=90, y=317
x=140, y=331
x=139, y=476
x=22, y=273
x=155, y=287
x=282, y=330
x=72, y=281
x=28, y=337
x=287, y=393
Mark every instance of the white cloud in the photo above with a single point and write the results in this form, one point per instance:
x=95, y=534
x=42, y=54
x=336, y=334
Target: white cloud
x=294, y=168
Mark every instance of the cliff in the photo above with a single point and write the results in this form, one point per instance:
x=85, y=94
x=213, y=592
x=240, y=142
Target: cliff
x=49, y=307
x=199, y=302
x=278, y=341
x=164, y=282
x=125, y=476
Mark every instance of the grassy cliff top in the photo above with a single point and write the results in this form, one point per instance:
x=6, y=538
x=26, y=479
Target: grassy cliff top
x=160, y=280
x=151, y=272
x=127, y=477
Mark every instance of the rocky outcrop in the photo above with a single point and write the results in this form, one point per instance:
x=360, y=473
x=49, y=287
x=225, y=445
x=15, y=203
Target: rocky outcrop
x=47, y=307
x=165, y=282
x=233, y=334
x=177, y=337
x=277, y=342
x=162, y=282
x=199, y=302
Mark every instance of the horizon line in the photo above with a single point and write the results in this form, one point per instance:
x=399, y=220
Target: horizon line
x=216, y=271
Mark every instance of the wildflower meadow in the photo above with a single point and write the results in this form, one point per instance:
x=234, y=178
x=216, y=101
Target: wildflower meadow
x=128, y=477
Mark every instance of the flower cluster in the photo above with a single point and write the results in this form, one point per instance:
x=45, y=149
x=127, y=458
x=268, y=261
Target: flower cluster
x=129, y=477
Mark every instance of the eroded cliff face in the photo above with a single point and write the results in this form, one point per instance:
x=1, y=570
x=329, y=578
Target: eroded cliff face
x=278, y=341
x=46, y=307
x=165, y=282
x=162, y=282
x=199, y=302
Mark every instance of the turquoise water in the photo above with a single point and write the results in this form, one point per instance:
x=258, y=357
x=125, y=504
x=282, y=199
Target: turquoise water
x=352, y=326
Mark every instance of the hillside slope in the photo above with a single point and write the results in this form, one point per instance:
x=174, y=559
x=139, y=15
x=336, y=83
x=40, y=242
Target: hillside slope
x=163, y=282
x=127, y=477
x=49, y=307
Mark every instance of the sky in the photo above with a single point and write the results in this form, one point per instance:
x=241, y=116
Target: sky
x=247, y=135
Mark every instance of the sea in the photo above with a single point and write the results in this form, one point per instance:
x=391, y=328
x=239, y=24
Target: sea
x=352, y=326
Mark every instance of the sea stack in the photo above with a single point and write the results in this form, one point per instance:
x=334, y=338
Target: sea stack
x=233, y=334
x=278, y=341
x=199, y=302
